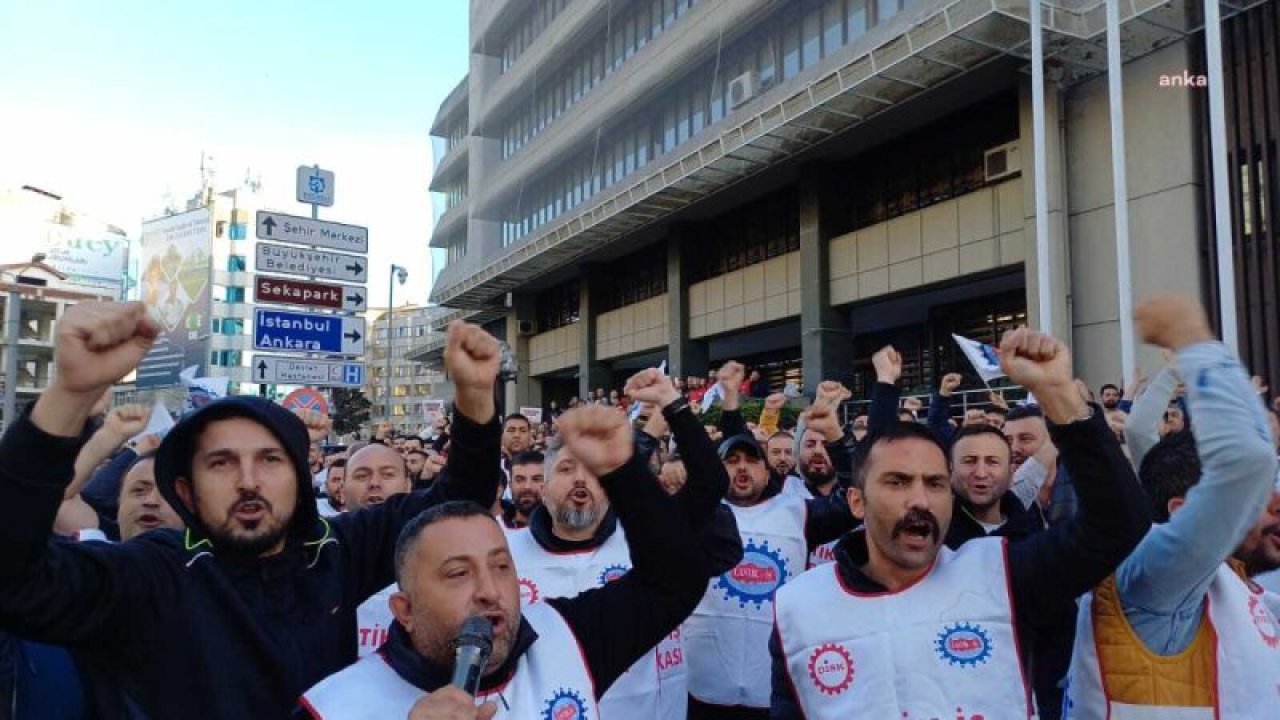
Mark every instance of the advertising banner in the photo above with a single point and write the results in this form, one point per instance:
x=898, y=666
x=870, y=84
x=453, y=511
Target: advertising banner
x=174, y=258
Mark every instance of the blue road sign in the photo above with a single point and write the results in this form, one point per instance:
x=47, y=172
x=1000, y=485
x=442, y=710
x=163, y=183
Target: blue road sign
x=353, y=373
x=308, y=332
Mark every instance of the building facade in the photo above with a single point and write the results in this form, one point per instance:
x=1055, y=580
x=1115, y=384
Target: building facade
x=416, y=389
x=797, y=184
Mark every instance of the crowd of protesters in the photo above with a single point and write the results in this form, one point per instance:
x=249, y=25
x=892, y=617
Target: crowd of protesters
x=1074, y=555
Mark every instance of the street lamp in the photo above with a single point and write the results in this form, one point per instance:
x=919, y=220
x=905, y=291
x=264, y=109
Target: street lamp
x=13, y=327
x=402, y=274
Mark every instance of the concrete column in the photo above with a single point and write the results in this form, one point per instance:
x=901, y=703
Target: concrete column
x=592, y=374
x=1059, y=253
x=826, y=342
x=686, y=356
x=527, y=389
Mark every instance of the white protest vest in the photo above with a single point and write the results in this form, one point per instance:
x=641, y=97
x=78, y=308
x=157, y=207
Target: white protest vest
x=655, y=687
x=551, y=681
x=373, y=621
x=1247, y=655
x=824, y=553
x=726, y=640
x=943, y=647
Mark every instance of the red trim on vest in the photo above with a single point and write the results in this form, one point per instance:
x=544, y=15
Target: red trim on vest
x=310, y=710
x=582, y=655
x=782, y=648
x=884, y=593
x=1013, y=622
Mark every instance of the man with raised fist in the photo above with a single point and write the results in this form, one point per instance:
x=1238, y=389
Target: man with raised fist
x=255, y=601
x=557, y=656
x=911, y=629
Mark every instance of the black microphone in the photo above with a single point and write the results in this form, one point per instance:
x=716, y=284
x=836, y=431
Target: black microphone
x=471, y=652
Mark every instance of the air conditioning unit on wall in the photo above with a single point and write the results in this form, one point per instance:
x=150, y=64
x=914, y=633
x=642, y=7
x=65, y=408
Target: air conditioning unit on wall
x=743, y=88
x=527, y=327
x=1001, y=162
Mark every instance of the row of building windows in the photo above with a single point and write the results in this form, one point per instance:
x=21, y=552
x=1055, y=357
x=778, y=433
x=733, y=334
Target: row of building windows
x=636, y=277
x=455, y=133
x=797, y=37
x=746, y=236
x=457, y=248
x=633, y=27
x=558, y=306
x=536, y=18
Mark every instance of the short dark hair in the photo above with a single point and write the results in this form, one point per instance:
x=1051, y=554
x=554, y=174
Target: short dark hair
x=417, y=451
x=974, y=431
x=421, y=443
x=999, y=411
x=1169, y=470
x=893, y=433
x=338, y=462
x=1108, y=386
x=781, y=434
x=1024, y=411
x=516, y=416
x=528, y=457
x=434, y=514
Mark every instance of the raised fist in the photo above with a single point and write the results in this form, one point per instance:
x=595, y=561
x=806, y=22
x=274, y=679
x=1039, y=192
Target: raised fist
x=821, y=418
x=775, y=401
x=98, y=343
x=950, y=383
x=730, y=376
x=888, y=365
x=912, y=403
x=318, y=425
x=1036, y=360
x=1171, y=321
x=471, y=357
x=147, y=443
x=651, y=386
x=125, y=421
x=832, y=393
x=600, y=437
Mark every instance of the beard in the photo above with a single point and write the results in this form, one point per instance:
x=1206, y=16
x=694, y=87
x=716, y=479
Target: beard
x=244, y=538
x=818, y=477
x=526, y=502
x=575, y=519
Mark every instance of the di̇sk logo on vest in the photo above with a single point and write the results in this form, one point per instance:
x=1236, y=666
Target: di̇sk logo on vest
x=754, y=580
x=528, y=591
x=1264, y=622
x=613, y=572
x=565, y=705
x=831, y=668
x=963, y=644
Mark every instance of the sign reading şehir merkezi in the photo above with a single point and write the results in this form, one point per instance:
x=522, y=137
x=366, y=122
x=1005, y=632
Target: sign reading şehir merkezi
x=308, y=332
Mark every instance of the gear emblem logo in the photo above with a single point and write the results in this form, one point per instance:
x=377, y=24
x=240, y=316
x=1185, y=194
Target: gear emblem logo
x=612, y=572
x=1264, y=622
x=831, y=668
x=565, y=705
x=762, y=571
x=528, y=591
x=963, y=644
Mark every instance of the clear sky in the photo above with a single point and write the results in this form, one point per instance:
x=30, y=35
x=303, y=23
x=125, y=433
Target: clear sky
x=110, y=104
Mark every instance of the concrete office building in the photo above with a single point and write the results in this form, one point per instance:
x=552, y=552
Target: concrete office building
x=413, y=384
x=796, y=184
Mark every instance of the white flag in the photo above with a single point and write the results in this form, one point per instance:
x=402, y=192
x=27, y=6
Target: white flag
x=984, y=358
x=201, y=391
x=710, y=398
x=635, y=405
x=158, y=424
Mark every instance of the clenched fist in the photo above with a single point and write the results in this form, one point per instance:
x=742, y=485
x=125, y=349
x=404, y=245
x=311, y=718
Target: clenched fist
x=730, y=376
x=651, y=386
x=1042, y=364
x=832, y=393
x=472, y=358
x=600, y=437
x=96, y=344
x=125, y=421
x=1171, y=321
x=318, y=425
x=888, y=365
x=950, y=383
x=776, y=401
x=821, y=418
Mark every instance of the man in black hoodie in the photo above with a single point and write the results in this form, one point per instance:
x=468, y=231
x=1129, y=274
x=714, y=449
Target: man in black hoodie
x=256, y=600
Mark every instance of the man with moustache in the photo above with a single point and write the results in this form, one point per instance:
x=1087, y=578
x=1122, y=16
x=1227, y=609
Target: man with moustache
x=558, y=657
x=255, y=601
x=330, y=503
x=781, y=453
x=911, y=629
x=573, y=543
x=727, y=636
x=1179, y=630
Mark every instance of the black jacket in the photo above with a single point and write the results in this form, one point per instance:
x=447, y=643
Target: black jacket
x=188, y=630
x=1020, y=521
x=1047, y=570
x=615, y=624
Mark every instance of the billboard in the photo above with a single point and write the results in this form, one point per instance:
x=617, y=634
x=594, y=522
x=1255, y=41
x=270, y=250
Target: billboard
x=176, y=284
x=96, y=257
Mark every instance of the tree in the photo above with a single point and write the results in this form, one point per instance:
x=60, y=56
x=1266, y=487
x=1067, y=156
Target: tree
x=350, y=410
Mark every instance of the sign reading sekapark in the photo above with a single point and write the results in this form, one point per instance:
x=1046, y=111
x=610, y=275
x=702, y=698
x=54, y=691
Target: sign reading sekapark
x=279, y=291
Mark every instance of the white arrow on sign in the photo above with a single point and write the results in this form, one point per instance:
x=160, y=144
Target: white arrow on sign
x=305, y=231
x=304, y=371
x=306, y=262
